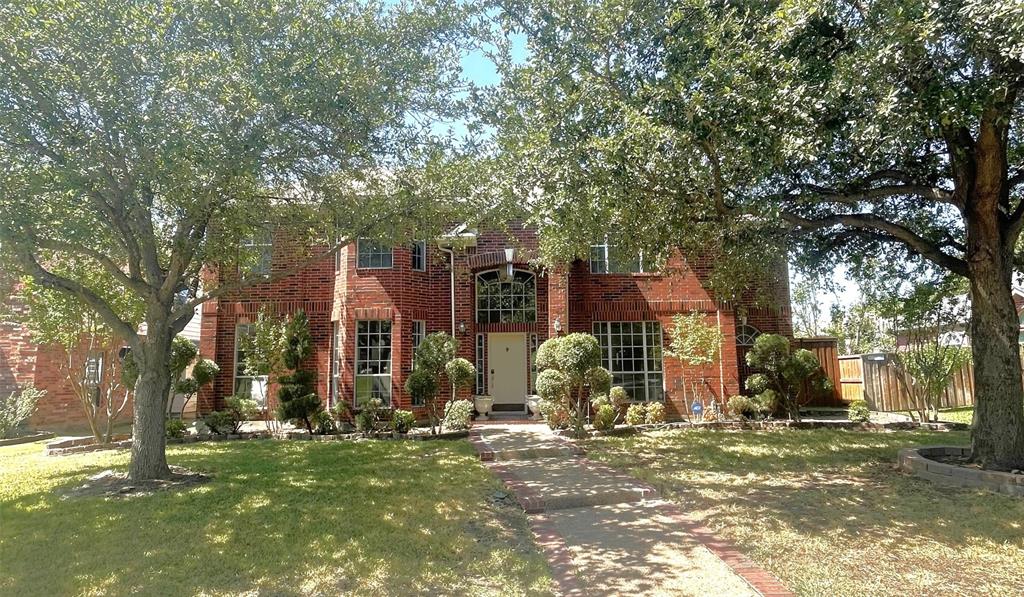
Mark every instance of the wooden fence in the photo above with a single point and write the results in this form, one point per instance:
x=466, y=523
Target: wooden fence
x=828, y=355
x=869, y=377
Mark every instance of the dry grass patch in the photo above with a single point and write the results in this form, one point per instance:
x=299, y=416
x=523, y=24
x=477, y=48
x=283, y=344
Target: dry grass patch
x=827, y=513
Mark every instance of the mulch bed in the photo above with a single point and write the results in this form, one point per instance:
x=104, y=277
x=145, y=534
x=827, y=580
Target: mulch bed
x=116, y=484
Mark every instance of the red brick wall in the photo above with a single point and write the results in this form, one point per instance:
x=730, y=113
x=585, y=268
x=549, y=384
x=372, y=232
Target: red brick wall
x=402, y=295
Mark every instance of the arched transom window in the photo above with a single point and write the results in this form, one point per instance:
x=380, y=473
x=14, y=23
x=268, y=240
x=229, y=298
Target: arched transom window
x=746, y=334
x=501, y=298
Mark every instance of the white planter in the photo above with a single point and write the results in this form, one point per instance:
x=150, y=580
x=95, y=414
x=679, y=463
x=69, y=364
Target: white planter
x=483, y=405
x=533, y=404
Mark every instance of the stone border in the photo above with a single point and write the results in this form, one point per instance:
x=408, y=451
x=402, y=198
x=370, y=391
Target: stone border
x=27, y=439
x=623, y=430
x=917, y=462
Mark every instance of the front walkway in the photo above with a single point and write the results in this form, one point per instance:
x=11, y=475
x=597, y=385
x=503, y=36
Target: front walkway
x=606, y=533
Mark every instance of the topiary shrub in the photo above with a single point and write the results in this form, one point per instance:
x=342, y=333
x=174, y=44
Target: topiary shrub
x=655, y=413
x=241, y=409
x=792, y=376
x=741, y=407
x=297, y=398
x=175, y=428
x=570, y=367
x=604, y=417
x=324, y=423
x=859, y=411
x=402, y=421
x=460, y=372
x=370, y=417
x=636, y=414
x=219, y=422
x=555, y=414
x=457, y=415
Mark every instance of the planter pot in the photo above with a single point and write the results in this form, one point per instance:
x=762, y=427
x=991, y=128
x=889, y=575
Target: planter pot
x=483, y=405
x=533, y=404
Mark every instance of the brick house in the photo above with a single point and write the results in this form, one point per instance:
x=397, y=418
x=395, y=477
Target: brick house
x=370, y=308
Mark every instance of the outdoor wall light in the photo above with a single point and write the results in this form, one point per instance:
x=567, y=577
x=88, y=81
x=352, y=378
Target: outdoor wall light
x=557, y=326
x=462, y=327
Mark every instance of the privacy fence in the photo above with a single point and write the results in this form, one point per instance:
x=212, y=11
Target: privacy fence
x=869, y=377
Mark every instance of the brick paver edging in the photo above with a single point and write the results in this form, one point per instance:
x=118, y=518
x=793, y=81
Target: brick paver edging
x=545, y=534
x=758, y=578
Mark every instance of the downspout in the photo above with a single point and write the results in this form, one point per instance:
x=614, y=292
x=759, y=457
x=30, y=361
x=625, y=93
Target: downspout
x=451, y=278
x=721, y=365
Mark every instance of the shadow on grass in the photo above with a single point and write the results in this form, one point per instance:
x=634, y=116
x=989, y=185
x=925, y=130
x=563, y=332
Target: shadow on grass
x=278, y=517
x=799, y=501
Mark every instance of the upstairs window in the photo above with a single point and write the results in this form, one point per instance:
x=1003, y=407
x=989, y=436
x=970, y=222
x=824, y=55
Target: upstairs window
x=607, y=259
x=506, y=299
x=419, y=255
x=374, y=254
x=258, y=251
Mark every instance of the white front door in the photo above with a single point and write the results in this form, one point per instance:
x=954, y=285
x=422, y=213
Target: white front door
x=506, y=363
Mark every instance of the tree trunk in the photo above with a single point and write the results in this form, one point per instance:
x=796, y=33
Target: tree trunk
x=149, y=439
x=998, y=435
x=998, y=430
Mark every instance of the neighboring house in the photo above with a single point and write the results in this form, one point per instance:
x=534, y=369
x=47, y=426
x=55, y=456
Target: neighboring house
x=957, y=333
x=369, y=309
x=23, y=362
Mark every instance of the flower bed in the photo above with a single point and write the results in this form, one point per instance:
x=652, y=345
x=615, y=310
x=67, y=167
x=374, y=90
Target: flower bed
x=774, y=424
x=924, y=463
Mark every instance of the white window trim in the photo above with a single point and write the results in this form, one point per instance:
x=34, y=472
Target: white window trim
x=254, y=244
x=476, y=305
x=334, y=390
x=235, y=376
x=359, y=242
x=605, y=249
x=391, y=365
x=646, y=373
x=419, y=243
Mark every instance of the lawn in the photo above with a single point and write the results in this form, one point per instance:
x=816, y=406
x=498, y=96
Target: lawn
x=826, y=512
x=277, y=518
x=963, y=415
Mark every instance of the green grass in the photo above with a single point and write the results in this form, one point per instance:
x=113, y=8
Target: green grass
x=278, y=518
x=957, y=415
x=827, y=513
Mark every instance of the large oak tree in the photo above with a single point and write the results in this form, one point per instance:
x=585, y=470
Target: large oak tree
x=152, y=138
x=840, y=129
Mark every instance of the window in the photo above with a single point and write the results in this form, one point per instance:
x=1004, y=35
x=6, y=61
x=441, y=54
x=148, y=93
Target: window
x=373, y=254
x=509, y=300
x=533, y=363
x=258, y=250
x=746, y=334
x=606, y=259
x=481, y=365
x=335, y=363
x=94, y=369
x=373, y=361
x=419, y=255
x=254, y=386
x=419, y=332
x=631, y=350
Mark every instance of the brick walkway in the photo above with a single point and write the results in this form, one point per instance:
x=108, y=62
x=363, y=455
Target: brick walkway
x=607, y=533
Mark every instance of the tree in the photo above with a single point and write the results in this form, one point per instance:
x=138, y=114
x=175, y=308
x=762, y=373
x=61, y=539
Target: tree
x=696, y=343
x=806, y=309
x=263, y=347
x=570, y=367
x=739, y=131
x=204, y=371
x=297, y=398
x=435, y=353
x=858, y=329
x=786, y=378
x=151, y=138
x=90, y=356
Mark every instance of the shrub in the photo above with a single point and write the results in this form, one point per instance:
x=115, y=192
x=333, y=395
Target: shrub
x=342, y=412
x=422, y=385
x=604, y=417
x=17, y=408
x=655, y=413
x=636, y=414
x=219, y=422
x=175, y=428
x=859, y=411
x=241, y=409
x=457, y=415
x=324, y=423
x=369, y=418
x=600, y=380
x=570, y=365
x=555, y=414
x=792, y=375
x=402, y=421
x=460, y=372
x=742, y=407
